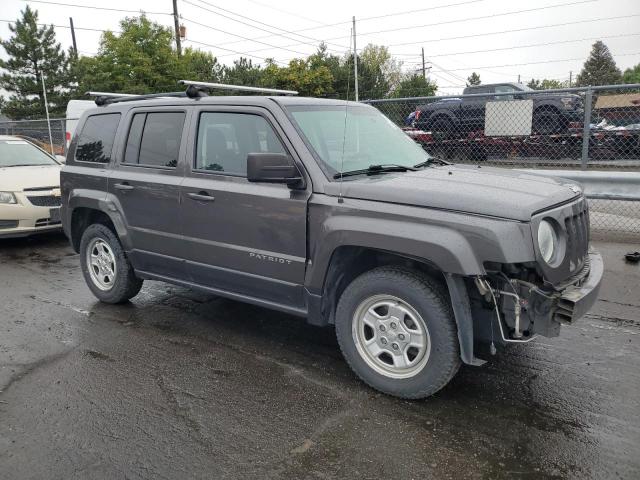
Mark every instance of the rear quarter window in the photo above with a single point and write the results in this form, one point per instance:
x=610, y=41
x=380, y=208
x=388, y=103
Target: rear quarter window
x=95, y=141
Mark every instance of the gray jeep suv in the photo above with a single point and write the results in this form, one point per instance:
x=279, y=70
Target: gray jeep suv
x=325, y=209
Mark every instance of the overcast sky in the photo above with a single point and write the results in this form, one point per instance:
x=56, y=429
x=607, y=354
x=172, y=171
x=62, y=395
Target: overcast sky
x=269, y=25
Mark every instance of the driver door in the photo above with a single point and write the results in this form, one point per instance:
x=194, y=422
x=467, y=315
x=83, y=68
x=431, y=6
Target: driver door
x=246, y=238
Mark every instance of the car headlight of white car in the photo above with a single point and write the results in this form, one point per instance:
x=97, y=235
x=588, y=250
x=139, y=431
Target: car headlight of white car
x=548, y=241
x=7, y=197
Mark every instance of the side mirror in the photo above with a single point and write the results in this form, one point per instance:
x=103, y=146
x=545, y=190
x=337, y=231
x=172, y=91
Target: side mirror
x=273, y=168
x=61, y=159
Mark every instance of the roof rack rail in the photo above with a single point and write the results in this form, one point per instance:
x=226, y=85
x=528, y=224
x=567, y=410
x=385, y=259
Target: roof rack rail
x=194, y=90
x=104, y=98
x=194, y=87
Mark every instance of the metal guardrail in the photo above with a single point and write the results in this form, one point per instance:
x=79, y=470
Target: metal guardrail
x=600, y=185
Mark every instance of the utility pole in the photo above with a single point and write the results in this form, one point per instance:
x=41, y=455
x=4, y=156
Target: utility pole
x=73, y=37
x=518, y=78
x=46, y=109
x=176, y=23
x=355, y=57
x=570, y=78
x=424, y=70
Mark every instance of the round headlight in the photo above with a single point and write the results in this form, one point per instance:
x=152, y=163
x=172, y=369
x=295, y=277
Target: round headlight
x=547, y=241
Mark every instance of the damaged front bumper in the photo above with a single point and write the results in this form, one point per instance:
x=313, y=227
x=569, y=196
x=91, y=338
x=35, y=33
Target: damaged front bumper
x=522, y=310
x=576, y=300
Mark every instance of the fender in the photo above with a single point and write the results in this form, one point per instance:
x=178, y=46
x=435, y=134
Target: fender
x=103, y=202
x=441, y=112
x=446, y=249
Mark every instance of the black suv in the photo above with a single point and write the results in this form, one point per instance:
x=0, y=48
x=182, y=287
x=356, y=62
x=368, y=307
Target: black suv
x=551, y=112
x=326, y=210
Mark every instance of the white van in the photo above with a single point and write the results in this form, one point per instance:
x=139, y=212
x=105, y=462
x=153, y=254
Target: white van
x=75, y=108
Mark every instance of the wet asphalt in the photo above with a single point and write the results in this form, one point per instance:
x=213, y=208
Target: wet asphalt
x=178, y=384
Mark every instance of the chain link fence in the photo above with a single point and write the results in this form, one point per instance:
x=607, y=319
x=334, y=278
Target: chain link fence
x=500, y=125
x=509, y=125
x=37, y=132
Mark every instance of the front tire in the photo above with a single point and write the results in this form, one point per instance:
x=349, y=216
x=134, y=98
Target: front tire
x=396, y=330
x=105, y=267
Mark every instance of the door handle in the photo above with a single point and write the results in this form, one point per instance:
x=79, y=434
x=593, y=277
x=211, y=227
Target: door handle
x=201, y=197
x=123, y=186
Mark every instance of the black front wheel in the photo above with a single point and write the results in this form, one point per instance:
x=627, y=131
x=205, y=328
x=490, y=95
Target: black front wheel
x=396, y=330
x=105, y=266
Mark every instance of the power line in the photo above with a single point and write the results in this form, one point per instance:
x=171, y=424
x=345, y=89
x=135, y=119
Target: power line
x=314, y=43
x=529, y=63
x=244, y=54
x=364, y=19
x=97, y=8
x=407, y=12
x=467, y=19
x=63, y=26
x=473, y=35
x=240, y=36
x=535, y=45
x=286, y=12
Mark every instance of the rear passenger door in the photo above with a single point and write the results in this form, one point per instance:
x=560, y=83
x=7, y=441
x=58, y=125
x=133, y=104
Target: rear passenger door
x=146, y=183
x=242, y=237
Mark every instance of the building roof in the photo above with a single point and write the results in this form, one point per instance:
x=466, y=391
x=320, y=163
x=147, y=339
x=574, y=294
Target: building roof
x=623, y=100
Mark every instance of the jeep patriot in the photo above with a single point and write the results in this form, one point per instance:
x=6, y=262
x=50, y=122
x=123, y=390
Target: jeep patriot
x=326, y=210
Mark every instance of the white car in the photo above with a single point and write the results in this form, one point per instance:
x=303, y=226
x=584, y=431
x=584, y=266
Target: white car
x=29, y=189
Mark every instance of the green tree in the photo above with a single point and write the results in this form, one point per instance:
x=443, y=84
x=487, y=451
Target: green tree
x=378, y=71
x=600, y=68
x=414, y=85
x=546, y=84
x=243, y=72
x=140, y=59
x=473, y=79
x=631, y=75
x=200, y=66
x=301, y=75
x=33, y=52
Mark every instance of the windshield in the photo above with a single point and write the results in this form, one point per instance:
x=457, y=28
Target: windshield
x=19, y=153
x=370, y=138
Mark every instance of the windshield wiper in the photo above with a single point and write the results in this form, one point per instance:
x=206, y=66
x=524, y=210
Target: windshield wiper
x=374, y=169
x=431, y=161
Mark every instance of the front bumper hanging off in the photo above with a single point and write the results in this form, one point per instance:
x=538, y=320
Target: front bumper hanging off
x=522, y=310
x=576, y=300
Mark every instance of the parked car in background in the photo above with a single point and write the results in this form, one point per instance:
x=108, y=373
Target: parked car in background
x=29, y=189
x=75, y=109
x=56, y=150
x=552, y=112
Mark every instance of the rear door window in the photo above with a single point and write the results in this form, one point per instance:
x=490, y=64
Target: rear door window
x=95, y=142
x=154, y=139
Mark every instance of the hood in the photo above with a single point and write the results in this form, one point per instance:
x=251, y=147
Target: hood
x=16, y=179
x=465, y=188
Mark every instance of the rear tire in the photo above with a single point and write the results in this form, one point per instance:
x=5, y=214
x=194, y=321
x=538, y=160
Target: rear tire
x=548, y=121
x=442, y=128
x=396, y=330
x=105, y=266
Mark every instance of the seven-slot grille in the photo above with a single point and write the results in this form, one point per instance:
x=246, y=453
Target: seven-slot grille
x=577, y=228
x=45, y=200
